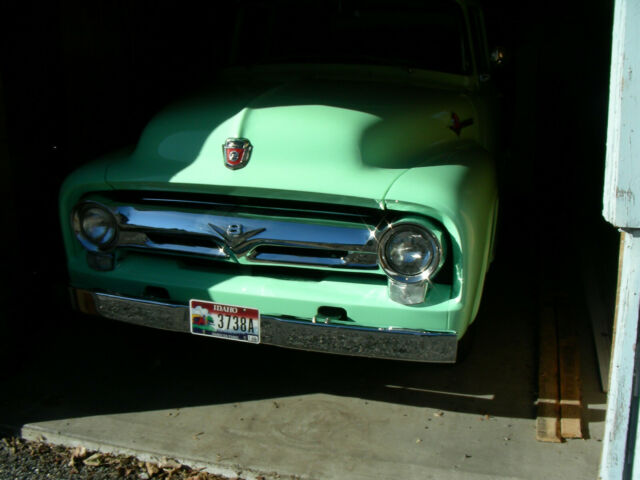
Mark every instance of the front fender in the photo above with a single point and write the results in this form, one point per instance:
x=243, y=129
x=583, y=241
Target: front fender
x=91, y=177
x=458, y=188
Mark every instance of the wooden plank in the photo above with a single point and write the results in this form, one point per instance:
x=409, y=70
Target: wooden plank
x=569, y=373
x=621, y=250
x=547, y=425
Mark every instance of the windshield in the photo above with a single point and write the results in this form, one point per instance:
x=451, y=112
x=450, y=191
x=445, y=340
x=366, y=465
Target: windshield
x=404, y=33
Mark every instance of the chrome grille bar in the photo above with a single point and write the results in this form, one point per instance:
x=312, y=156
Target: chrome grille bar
x=249, y=238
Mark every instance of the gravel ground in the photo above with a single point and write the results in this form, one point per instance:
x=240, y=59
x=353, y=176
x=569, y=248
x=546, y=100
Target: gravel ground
x=20, y=459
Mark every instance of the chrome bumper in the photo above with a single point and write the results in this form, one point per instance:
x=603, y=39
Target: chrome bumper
x=411, y=345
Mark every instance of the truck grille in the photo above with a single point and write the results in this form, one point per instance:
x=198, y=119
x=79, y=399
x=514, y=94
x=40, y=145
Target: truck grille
x=229, y=234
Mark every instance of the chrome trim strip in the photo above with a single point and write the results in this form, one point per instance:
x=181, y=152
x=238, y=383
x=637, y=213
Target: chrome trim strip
x=294, y=208
x=395, y=344
x=146, y=313
x=239, y=237
x=410, y=345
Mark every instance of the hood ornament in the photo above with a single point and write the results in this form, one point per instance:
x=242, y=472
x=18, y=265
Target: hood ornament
x=236, y=152
x=235, y=237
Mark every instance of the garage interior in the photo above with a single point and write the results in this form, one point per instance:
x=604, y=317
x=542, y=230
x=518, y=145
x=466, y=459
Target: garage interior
x=80, y=79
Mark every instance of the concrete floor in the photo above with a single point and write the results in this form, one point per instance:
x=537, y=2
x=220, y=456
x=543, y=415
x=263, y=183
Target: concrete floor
x=255, y=410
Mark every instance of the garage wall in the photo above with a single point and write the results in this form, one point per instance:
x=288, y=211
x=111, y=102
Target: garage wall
x=78, y=80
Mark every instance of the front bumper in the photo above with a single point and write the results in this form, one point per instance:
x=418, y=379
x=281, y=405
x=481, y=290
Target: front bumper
x=411, y=345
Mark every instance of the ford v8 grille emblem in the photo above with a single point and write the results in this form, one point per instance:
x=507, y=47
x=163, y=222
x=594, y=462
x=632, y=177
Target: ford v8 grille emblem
x=235, y=237
x=234, y=230
x=236, y=152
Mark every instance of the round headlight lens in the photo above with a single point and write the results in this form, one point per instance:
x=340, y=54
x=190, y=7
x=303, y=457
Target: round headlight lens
x=409, y=251
x=98, y=226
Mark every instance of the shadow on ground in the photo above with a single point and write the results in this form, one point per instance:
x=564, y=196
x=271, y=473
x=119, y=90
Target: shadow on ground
x=84, y=366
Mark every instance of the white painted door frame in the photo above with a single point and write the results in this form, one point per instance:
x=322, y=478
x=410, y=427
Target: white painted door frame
x=621, y=208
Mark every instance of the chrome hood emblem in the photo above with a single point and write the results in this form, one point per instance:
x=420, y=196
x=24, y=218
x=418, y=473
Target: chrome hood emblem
x=234, y=236
x=234, y=230
x=236, y=152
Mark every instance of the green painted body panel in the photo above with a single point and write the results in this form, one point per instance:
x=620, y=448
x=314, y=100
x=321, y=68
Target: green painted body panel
x=389, y=141
x=365, y=300
x=457, y=188
x=362, y=144
x=86, y=179
x=385, y=145
x=333, y=140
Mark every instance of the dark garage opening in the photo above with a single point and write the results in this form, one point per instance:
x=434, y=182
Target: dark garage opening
x=80, y=79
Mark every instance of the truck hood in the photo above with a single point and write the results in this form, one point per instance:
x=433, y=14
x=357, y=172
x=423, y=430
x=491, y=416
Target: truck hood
x=333, y=141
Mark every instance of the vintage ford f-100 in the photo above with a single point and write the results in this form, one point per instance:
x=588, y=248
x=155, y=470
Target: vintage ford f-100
x=334, y=192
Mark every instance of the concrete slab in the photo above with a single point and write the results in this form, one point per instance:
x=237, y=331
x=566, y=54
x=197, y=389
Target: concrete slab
x=327, y=437
x=246, y=410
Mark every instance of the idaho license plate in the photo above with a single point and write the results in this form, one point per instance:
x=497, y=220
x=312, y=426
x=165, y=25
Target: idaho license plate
x=224, y=321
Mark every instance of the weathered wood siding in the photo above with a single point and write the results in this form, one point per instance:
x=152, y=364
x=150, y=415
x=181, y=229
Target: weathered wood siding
x=621, y=448
x=622, y=172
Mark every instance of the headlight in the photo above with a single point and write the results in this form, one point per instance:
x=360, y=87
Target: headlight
x=409, y=253
x=95, y=226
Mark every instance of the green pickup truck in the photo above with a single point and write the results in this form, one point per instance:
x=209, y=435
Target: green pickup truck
x=334, y=191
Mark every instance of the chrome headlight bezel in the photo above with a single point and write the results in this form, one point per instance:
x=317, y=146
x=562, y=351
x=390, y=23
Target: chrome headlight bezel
x=437, y=254
x=78, y=217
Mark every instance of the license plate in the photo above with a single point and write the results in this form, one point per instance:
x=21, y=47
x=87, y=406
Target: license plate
x=224, y=321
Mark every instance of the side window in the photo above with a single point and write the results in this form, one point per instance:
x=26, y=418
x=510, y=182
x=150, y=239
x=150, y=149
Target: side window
x=478, y=39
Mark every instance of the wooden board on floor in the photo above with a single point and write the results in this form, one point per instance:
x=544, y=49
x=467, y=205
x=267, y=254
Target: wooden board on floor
x=569, y=371
x=547, y=425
